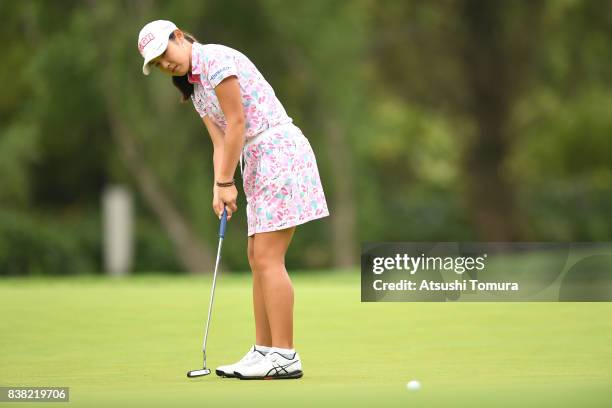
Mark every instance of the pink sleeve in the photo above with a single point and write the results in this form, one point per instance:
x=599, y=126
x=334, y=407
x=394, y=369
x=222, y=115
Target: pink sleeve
x=220, y=67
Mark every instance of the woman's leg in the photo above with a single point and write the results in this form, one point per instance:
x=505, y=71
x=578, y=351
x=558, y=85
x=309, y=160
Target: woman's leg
x=269, y=266
x=263, y=336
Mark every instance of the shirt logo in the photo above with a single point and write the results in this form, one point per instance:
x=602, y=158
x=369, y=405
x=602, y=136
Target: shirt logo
x=219, y=72
x=144, y=41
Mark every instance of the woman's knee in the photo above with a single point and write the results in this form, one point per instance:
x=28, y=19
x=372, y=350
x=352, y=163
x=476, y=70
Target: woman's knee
x=264, y=261
x=251, y=253
x=252, y=261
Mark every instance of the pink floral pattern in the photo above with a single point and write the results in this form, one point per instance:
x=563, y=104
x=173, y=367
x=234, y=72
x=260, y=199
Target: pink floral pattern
x=281, y=181
x=280, y=177
x=211, y=64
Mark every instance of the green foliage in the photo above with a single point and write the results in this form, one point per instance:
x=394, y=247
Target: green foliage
x=18, y=150
x=571, y=209
x=567, y=138
x=392, y=76
x=35, y=245
x=153, y=250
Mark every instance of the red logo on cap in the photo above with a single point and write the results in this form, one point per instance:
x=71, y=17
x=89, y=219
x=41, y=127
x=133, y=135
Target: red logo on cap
x=144, y=41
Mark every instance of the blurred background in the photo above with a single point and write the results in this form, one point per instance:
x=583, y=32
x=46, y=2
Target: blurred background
x=431, y=121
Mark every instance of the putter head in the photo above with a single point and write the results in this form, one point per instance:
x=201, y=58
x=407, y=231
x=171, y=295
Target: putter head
x=198, y=373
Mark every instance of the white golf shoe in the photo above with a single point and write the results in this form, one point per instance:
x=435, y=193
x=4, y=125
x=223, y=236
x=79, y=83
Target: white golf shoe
x=250, y=358
x=274, y=366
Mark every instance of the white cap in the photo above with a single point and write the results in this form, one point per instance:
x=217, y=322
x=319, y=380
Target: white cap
x=153, y=40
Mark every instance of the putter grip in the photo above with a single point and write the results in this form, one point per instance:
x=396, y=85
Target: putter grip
x=223, y=223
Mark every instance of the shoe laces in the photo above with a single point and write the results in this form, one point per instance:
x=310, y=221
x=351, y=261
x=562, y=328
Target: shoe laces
x=273, y=356
x=249, y=356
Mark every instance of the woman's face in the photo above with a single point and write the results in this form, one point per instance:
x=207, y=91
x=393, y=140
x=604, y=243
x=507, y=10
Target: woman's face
x=176, y=60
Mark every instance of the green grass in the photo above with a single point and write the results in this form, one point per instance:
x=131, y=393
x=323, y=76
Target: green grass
x=130, y=342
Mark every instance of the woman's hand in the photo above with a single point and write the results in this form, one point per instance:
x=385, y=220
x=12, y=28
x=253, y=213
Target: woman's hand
x=225, y=196
x=217, y=204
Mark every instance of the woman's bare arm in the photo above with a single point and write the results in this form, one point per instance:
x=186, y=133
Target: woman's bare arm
x=230, y=100
x=217, y=137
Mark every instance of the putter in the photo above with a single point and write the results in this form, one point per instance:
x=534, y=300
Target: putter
x=205, y=371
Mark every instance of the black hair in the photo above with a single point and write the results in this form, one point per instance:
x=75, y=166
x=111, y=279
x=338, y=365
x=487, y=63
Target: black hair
x=181, y=82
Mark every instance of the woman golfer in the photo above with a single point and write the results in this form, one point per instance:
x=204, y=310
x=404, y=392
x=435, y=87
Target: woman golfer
x=247, y=123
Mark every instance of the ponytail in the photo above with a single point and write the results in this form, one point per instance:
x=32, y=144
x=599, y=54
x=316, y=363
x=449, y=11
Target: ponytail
x=181, y=82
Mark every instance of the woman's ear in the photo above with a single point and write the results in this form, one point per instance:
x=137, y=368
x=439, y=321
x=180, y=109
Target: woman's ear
x=178, y=36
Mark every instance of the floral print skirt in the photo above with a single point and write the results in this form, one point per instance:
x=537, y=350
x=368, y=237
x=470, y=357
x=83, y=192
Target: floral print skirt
x=281, y=180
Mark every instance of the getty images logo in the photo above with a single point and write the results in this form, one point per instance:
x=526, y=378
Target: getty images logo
x=412, y=264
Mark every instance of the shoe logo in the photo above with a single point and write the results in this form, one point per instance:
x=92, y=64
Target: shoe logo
x=279, y=368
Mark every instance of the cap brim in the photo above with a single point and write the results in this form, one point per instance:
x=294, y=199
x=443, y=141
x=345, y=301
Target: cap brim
x=146, y=69
x=154, y=52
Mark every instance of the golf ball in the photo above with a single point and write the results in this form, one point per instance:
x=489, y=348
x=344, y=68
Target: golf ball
x=413, y=385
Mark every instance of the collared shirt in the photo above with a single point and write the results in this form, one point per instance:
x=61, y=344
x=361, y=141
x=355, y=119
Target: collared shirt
x=211, y=64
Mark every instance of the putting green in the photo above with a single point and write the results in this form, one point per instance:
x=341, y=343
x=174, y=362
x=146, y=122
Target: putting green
x=130, y=342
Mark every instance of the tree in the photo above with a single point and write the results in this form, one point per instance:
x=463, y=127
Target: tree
x=470, y=59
